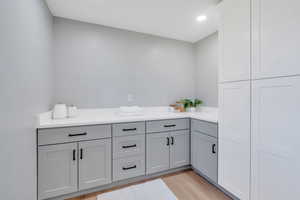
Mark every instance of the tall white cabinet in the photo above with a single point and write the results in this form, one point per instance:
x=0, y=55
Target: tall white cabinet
x=235, y=98
x=234, y=138
x=276, y=38
x=275, y=100
x=275, y=138
x=235, y=41
x=259, y=99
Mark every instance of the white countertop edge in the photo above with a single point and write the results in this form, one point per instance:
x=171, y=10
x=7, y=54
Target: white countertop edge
x=91, y=117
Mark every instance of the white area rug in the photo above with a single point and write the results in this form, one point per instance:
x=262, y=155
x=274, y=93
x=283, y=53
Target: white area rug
x=152, y=190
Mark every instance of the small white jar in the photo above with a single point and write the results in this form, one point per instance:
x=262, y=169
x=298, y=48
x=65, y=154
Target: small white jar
x=59, y=111
x=72, y=111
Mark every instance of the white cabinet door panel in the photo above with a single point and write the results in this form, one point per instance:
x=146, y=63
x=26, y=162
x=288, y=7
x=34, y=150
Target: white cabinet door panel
x=180, y=148
x=57, y=170
x=276, y=38
x=234, y=138
x=158, y=158
x=235, y=40
x=276, y=138
x=94, y=163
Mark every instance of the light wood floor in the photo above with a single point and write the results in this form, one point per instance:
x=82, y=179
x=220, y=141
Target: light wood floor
x=186, y=185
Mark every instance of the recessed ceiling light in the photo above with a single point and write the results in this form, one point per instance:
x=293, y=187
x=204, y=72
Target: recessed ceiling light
x=201, y=18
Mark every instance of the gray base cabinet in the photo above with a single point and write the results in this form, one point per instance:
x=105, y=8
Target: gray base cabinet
x=204, y=155
x=158, y=152
x=128, y=150
x=179, y=149
x=167, y=150
x=67, y=168
x=94, y=163
x=204, y=148
x=57, y=170
x=71, y=159
x=74, y=159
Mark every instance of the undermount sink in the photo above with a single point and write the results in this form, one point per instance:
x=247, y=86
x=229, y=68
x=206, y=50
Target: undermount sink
x=130, y=111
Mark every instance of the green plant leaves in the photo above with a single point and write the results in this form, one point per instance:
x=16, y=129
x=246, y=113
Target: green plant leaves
x=187, y=103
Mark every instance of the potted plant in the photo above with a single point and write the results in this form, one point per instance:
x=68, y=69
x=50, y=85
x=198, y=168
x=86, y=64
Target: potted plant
x=197, y=103
x=191, y=106
x=187, y=104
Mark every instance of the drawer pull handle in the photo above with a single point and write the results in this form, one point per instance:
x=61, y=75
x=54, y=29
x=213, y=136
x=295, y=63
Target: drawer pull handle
x=169, y=125
x=172, y=140
x=213, y=149
x=129, y=146
x=168, y=141
x=129, y=129
x=74, y=154
x=78, y=134
x=128, y=168
x=81, y=154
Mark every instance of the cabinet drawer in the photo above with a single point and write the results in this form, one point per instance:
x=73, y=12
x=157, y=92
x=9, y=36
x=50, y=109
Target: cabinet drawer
x=167, y=125
x=128, y=167
x=128, y=146
x=207, y=128
x=73, y=134
x=124, y=129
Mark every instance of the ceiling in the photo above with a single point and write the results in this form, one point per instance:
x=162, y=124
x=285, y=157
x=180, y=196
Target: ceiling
x=174, y=19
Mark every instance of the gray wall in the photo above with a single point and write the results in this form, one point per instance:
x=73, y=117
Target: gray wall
x=97, y=66
x=207, y=69
x=25, y=90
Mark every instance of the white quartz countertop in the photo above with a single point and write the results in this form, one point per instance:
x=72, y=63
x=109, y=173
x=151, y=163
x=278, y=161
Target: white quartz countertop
x=113, y=115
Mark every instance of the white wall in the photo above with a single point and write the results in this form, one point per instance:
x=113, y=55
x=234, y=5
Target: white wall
x=94, y=66
x=97, y=66
x=25, y=90
x=207, y=69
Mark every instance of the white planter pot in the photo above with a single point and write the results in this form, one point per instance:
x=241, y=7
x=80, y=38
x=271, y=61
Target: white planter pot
x=198, y=109
x=192, y=109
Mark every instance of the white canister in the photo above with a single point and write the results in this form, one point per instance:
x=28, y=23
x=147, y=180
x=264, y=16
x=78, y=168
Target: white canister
x=59, y=111
x=72, y=111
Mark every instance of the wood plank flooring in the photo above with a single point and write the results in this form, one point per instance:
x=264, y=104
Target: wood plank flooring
x=186, y=185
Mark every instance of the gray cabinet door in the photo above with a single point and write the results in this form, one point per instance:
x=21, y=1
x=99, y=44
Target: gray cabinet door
x=157, y=152
x=179, y=148
x=204, y=155
x=57, y=170
x=94, y=163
